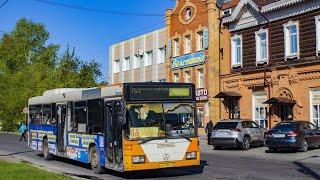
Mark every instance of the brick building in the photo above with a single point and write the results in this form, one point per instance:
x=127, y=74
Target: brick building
x=193, y=52
x=271, y=70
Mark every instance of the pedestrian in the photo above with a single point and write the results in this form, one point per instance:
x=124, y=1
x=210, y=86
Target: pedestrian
x=23, y=131
x=209, y=128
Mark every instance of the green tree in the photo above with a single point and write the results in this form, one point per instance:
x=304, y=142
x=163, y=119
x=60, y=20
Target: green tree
x=29, y=66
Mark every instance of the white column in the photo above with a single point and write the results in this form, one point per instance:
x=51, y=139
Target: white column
x=111, y=58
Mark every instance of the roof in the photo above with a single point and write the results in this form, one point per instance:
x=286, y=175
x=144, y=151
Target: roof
x=230, y=4
x=227, y=94
x=264, y=2
x=264, y=6
x=280, y=100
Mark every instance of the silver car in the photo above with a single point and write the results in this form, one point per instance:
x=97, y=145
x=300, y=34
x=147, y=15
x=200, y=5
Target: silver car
x=237, y=133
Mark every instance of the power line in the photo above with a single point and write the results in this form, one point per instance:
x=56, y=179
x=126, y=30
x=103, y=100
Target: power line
x=97, y=10
x=3, y=3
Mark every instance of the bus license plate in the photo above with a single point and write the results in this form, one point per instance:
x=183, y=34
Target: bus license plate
x=167, y=165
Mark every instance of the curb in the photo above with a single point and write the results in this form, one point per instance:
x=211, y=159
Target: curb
x=14, y=133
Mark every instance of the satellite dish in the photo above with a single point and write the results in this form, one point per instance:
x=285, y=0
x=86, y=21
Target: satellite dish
x=220, y=3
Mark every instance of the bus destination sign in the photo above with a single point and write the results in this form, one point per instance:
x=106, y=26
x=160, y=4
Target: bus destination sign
x=159, y=92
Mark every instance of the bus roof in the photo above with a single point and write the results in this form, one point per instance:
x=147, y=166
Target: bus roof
x=75, y=94
x=78, y=94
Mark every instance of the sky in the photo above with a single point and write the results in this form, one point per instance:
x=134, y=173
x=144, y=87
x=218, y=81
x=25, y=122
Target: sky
x=90, y=32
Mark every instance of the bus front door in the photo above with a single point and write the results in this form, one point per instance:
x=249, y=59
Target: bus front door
x=61, y=120
x=113, y=136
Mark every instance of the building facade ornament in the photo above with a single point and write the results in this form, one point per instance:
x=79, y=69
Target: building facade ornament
x=273, y=15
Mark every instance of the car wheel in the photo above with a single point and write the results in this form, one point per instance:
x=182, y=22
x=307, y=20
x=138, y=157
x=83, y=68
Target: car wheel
x=273, y=149
x=95, y=161
x=246, y=143
x=217, y=147
x=45, y=150
x=304, y=145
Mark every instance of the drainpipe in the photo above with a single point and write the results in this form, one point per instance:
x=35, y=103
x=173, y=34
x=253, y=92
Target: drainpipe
x=220, y=25
x=267, y=66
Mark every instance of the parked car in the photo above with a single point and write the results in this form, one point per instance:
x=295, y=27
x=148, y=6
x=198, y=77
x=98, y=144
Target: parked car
x=237, y=133
x=293, y=135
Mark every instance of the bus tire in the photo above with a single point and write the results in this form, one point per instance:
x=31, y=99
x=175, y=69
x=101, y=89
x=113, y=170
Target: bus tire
x=45, y=150
x=95, y=161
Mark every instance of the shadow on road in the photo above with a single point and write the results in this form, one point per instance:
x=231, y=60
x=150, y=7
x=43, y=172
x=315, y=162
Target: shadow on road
x=15, y=153
x=307, y=171
x=184, y=171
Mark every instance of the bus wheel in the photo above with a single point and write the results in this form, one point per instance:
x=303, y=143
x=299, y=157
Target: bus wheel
x=95, y=161
x=45, y=150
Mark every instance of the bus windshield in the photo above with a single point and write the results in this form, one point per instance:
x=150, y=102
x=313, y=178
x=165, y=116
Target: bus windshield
x=157, y=120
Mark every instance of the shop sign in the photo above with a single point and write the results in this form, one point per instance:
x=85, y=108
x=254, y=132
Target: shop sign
x=201, y=94
x=188, y=60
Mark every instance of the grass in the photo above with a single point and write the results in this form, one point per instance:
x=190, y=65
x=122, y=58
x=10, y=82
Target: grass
x=25, y=171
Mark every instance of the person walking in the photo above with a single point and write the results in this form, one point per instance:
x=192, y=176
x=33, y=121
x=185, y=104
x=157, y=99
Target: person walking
x=209, y=128
x=23, y=131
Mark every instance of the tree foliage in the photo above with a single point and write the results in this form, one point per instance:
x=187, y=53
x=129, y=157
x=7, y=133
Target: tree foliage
x=29, y=66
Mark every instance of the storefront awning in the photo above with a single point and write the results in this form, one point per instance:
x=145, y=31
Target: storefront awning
x=280, y=100
x=228, y=94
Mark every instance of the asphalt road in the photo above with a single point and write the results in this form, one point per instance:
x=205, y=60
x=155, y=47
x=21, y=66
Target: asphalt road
x=223, y=164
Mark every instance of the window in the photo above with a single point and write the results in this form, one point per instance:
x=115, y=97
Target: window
x=201, y=80
x=200, y=39
x=187, y=44
x=260, y=110
x=46, y=114
x=95, y=116
x=236, y=51
x=148, y=59
x=315, y=107
x=116, y=67
x=226, y=12
x=126, y=64
x=35, y=114
x=136, y=61
x=291, y=38
x=176, y=46
x=262, y=48
x=200, y=114
x=79, y=123
x=317, y=21
x=176, y=77
x=187, y=77
x=162, y=55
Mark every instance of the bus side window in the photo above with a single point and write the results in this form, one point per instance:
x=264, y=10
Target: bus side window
x=46, y=114
x=35, y=114
x=95, y=110
x=80, y=117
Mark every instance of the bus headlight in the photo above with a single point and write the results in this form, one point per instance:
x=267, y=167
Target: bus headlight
x=138, y=159
x=191, y=155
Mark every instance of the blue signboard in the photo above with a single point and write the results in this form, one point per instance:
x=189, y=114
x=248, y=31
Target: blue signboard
x=188, y=60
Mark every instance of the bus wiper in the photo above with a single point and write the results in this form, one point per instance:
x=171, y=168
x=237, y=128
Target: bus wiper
x=184, y=137
x=150, y=139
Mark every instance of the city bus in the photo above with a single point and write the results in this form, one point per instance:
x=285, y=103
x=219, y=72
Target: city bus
x=123, y=127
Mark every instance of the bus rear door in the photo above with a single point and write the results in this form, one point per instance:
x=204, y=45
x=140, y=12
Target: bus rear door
x=61, y=122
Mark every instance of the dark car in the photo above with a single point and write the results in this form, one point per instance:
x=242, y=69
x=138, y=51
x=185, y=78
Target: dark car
x=293, y=135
